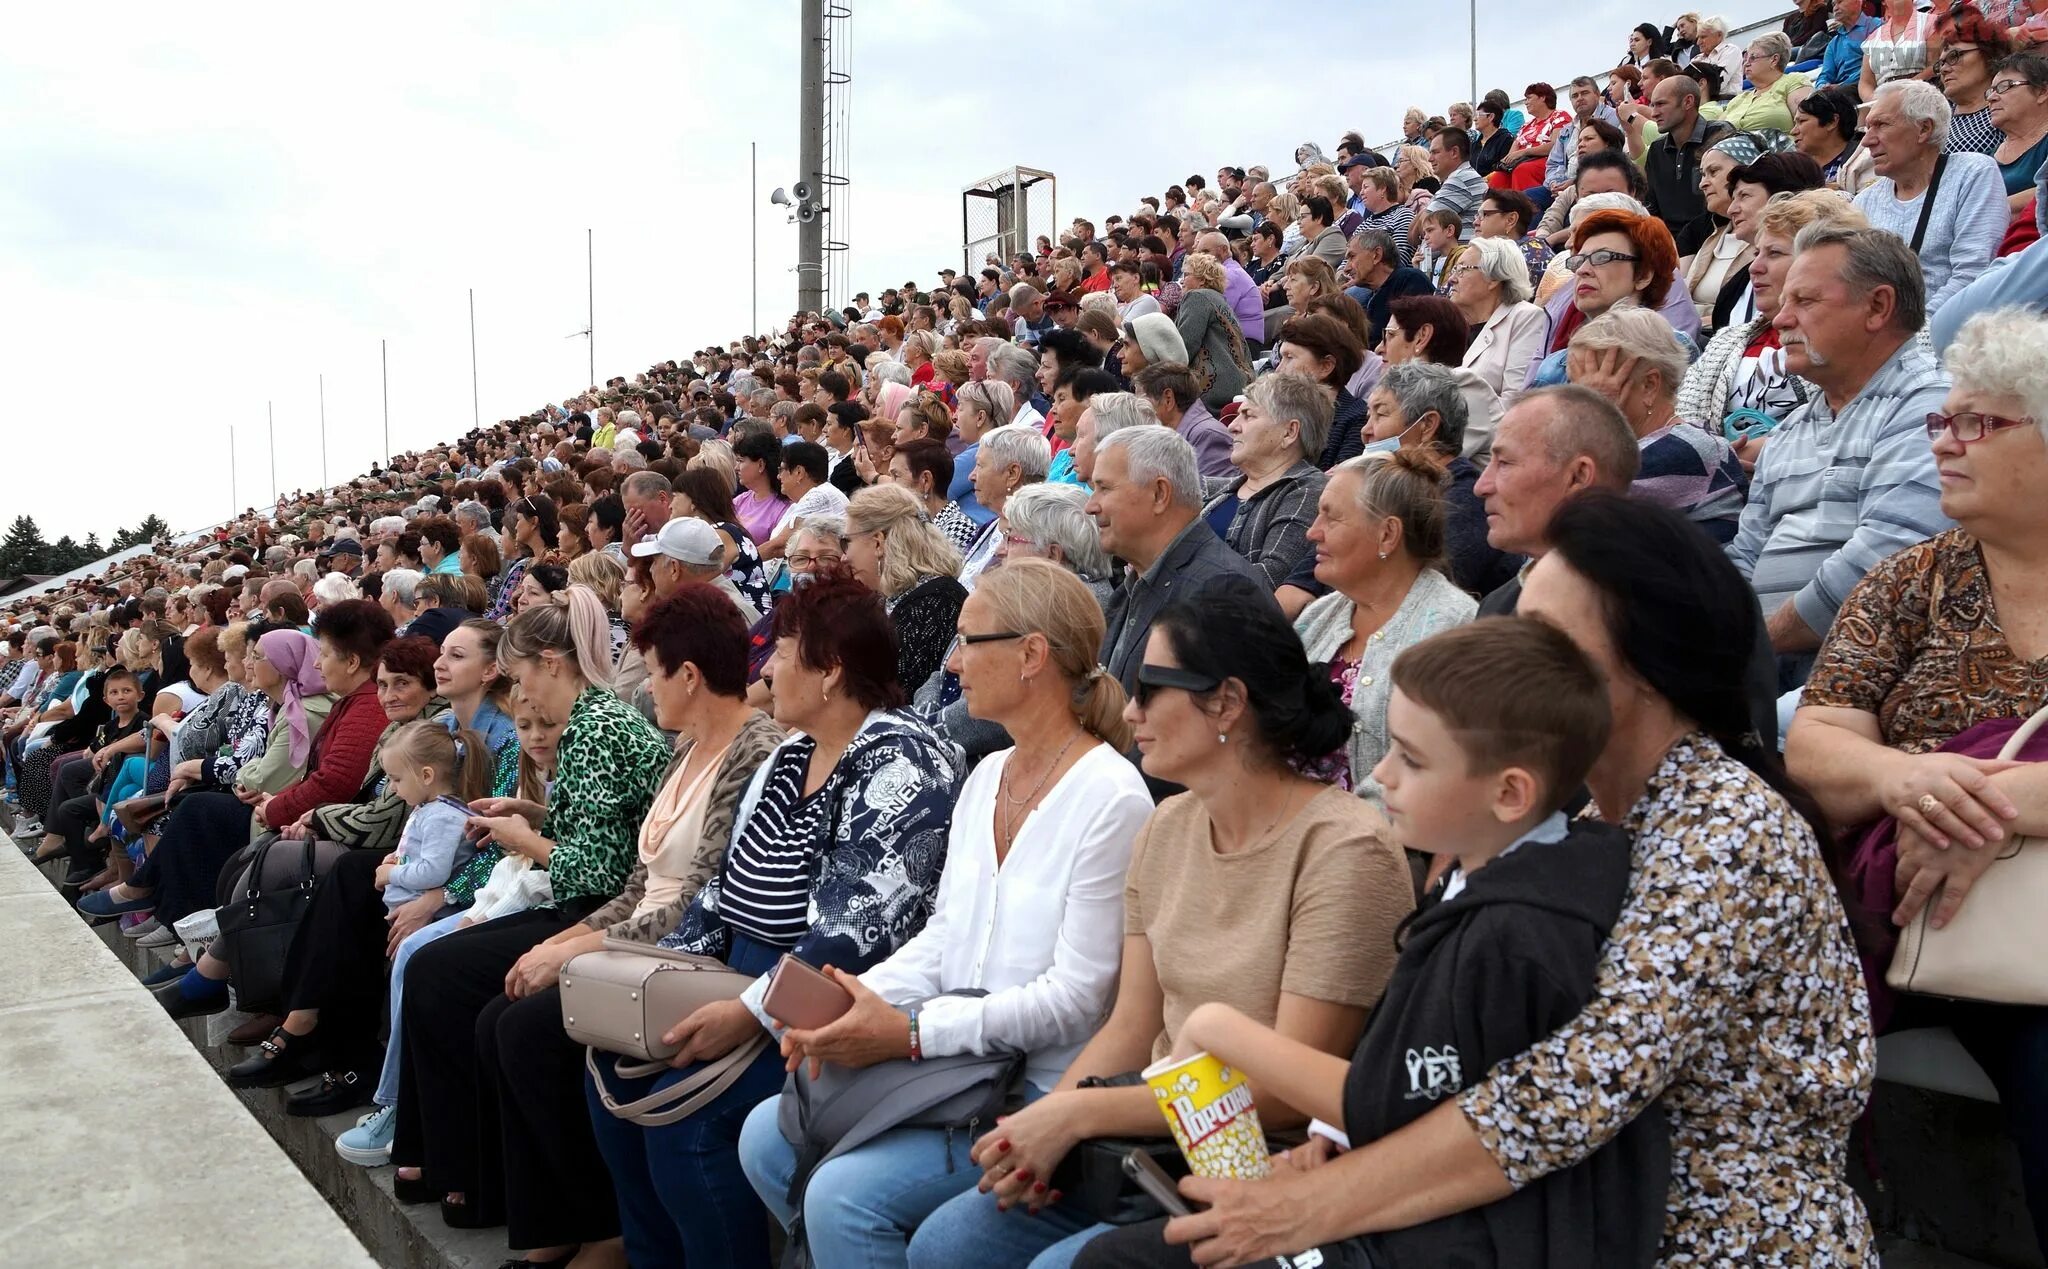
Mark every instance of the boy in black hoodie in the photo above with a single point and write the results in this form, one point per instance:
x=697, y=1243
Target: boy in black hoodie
x=1494, y=726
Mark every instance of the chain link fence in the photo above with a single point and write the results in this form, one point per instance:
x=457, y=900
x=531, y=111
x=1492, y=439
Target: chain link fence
x=1001, y=215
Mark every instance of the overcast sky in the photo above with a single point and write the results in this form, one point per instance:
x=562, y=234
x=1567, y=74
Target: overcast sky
x=204, y=209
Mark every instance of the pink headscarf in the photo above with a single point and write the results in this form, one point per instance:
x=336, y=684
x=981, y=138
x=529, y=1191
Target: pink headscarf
x=292, y=655
x=892, y=398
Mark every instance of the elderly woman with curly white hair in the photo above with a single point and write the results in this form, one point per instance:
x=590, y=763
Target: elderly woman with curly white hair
x=1932, y=660
x=1490, y=285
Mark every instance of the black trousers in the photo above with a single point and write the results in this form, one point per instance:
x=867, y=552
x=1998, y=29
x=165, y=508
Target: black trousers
x=336, y=962
x=557, y=1189
x=200, y=835
x=448, y=1098
x=71, y=809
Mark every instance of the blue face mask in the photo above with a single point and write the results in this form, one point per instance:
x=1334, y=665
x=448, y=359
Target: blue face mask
x=1390, y=444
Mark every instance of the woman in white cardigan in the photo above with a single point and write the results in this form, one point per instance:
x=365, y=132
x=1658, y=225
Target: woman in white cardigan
x=1379, y=539
x=1491, y=287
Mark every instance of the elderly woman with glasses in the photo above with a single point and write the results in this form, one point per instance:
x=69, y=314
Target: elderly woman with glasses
x=1762, y=105
x=1918, y=681
x=981, y=406
x=1618, y=257
x=1490, y=285
x=2019, y=106
x=1971, y=48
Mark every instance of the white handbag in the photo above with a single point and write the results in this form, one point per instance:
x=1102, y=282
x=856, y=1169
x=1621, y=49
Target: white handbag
x=1996, y=948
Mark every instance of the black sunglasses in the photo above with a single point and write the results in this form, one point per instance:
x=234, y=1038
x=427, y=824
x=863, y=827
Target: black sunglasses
x=1153, y=677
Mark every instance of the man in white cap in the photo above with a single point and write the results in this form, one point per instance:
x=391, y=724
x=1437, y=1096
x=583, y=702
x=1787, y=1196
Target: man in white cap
x=687, y=549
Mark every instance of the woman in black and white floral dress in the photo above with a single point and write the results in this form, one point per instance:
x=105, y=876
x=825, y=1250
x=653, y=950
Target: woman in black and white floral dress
x=1729, y=998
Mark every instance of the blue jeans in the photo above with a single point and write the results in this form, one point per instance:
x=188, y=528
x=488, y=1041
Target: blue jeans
x=970, y=1230
x=682, y=1197
x=860, y=1208
x=387, y=1083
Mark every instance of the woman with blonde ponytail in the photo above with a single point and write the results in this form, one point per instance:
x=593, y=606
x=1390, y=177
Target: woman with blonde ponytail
x=1029, y=910
x=607, y=764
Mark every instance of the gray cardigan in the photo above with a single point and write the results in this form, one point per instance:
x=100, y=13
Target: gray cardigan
x=1206, y=324
x=1433, y=603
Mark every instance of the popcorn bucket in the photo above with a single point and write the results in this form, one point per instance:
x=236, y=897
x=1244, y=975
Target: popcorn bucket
x=1208, y=1107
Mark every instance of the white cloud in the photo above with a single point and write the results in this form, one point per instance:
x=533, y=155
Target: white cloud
x=205, y=210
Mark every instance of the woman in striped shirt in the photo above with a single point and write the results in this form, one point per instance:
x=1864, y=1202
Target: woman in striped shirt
x=835, y=860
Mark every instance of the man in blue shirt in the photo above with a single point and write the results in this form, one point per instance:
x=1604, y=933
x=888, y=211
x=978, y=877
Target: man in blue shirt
x=1842, y=63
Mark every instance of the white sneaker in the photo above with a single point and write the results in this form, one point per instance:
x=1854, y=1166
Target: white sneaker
x=159, y=937
x=28, y=830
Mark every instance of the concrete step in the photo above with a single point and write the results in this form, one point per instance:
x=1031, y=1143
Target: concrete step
x=397, y=1235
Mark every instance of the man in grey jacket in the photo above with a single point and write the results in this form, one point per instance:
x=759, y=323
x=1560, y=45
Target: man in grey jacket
x=1849, y=478
x=1148, y=506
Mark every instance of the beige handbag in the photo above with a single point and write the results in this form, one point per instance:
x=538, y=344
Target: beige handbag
x=622, y=1000
x=1994, y=950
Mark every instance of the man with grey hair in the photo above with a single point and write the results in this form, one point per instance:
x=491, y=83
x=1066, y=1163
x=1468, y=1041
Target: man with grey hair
x=1018, y=367
x=647, y=497
x=400, y=596
x=1954, y=224
x=472, y=517
x=1715, y=50
x=1848, y=478
x=1105, y=414
x=1148, y=506
x=1030, y=320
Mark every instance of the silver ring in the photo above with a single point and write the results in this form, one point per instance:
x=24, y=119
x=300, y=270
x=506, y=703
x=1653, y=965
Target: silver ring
x=1929, y=804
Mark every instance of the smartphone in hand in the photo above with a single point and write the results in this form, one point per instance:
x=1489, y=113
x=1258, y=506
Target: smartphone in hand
x=803, y=997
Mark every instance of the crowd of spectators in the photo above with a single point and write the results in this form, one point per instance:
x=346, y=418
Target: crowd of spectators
x=1485, y=589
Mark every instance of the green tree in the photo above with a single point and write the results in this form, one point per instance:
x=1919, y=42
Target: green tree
x=23, y=550
x=150, y=530
x=93, y=549
x=66, y=555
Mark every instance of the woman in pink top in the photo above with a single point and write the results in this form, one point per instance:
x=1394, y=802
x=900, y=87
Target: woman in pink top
x=757, y=457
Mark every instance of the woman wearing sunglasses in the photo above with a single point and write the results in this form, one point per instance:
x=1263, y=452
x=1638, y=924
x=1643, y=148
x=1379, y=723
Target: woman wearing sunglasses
x=1260, y=886
x=1936, y=640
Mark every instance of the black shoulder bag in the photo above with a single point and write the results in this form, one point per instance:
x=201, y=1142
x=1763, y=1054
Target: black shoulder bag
x=1927, y=203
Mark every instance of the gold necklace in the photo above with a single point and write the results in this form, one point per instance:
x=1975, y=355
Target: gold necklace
x=1009, y=816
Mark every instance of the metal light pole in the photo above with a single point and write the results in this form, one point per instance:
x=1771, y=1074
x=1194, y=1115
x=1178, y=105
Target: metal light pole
x=590, y=295
x=270, y=409
x=1472, y=8
x=476, y=414
x=810, y=234
x=384, y=359
x=234, y=491
x=754, y=219
x=323, y=432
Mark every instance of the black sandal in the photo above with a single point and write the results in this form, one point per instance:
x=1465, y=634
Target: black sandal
x=412, y=1190
x=282, y=1059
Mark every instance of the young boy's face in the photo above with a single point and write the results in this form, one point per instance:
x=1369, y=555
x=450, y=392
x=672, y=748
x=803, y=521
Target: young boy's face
x=1434, y=800
x=123, y=696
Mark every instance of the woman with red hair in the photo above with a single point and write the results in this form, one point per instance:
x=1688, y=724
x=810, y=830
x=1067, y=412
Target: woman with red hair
x=1618, y=257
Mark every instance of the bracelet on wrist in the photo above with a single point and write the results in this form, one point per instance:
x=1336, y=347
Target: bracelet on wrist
x=916, y=1041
